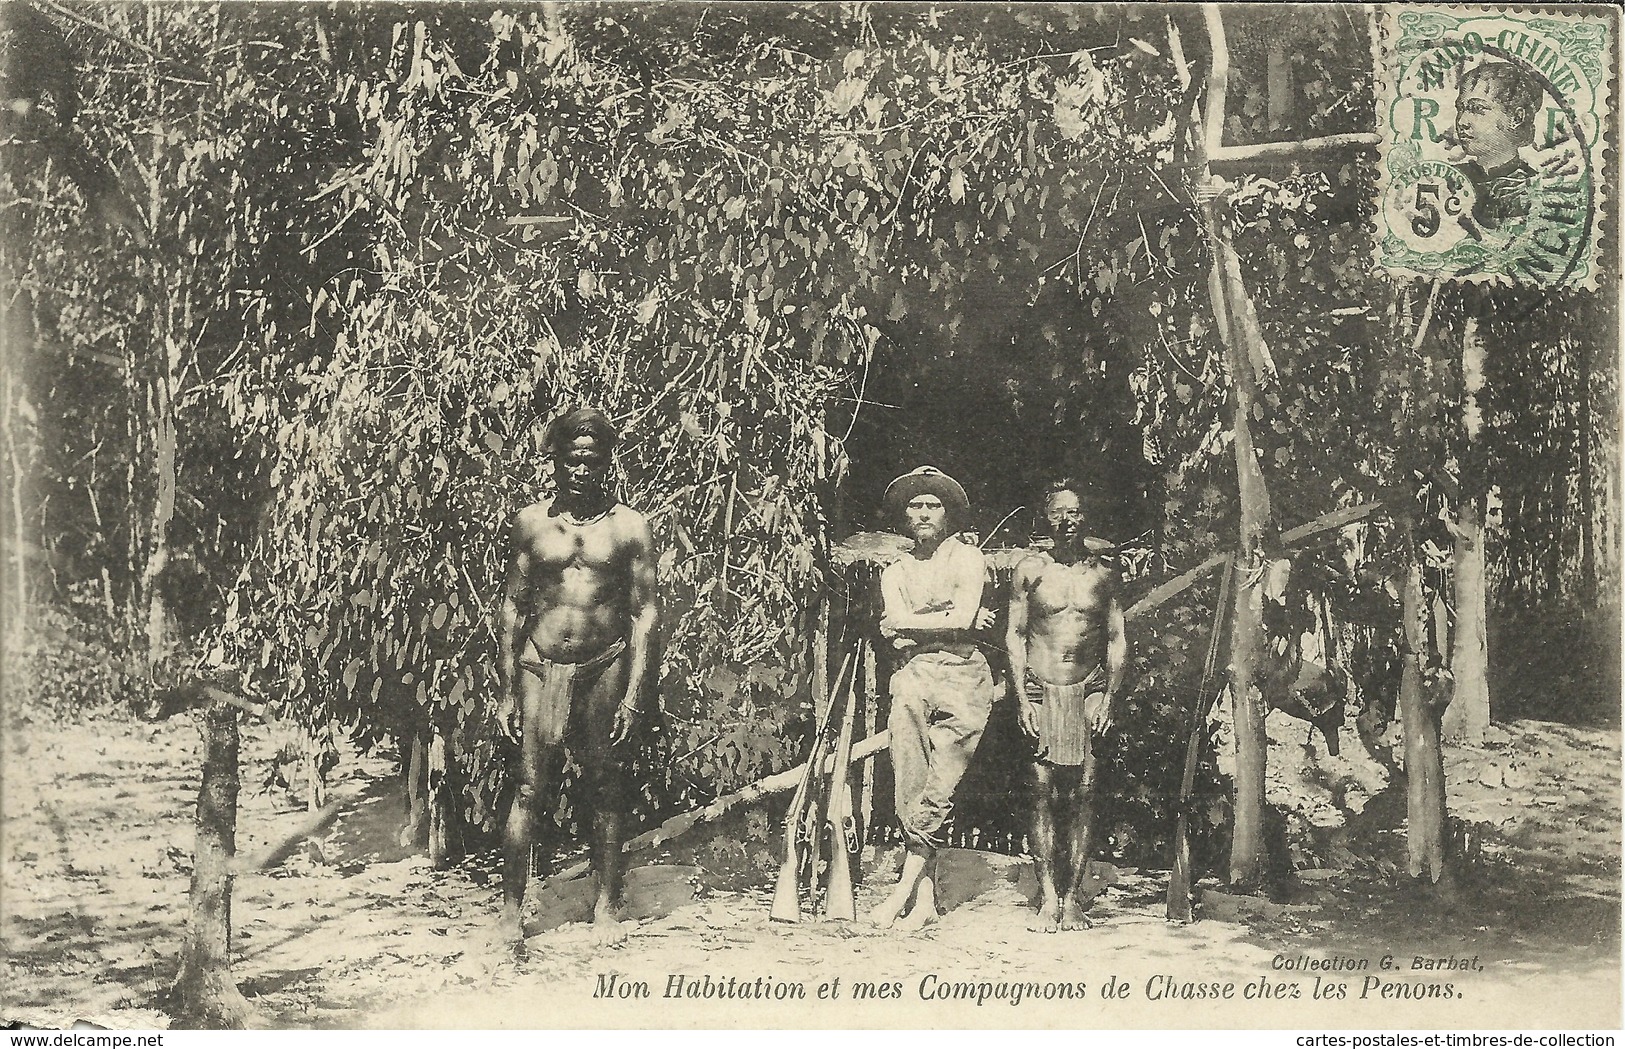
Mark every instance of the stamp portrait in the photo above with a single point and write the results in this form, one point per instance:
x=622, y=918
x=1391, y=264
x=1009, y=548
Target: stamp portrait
x=1494, y=127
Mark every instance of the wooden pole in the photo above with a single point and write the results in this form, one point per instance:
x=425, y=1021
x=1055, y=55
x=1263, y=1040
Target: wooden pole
x=206, y=994
x=1468, y=716
x=1424, y=761
x=1238, y=328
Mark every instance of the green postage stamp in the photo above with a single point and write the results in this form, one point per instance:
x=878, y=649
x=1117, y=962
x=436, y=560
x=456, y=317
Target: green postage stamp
x=1495, y=125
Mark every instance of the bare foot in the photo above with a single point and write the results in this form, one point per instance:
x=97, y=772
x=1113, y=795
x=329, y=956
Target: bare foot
x=608, y=933
x=511, y=927
x=917, y=919
x=608, y=930
x=1073, y=917
x=1048, y=917
x=883, y=914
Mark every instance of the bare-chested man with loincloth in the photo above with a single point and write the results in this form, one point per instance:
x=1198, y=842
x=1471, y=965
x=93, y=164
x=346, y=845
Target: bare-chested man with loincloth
x=942, y=690
x=1067, y=655
x=578, y=612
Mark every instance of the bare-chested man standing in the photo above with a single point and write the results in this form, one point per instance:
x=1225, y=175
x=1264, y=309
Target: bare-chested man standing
x=1067, y=654
x=578, y=611
x=942, y=690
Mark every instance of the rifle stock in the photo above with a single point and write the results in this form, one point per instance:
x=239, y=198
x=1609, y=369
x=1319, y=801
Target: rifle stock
x=786, y=891
x=839, y=901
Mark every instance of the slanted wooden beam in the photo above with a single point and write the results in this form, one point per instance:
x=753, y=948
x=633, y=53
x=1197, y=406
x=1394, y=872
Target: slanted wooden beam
x=777, y=783
x=1190, y=577
x=1298, y=149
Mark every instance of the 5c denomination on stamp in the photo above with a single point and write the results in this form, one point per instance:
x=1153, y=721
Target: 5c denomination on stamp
x=1494, y=125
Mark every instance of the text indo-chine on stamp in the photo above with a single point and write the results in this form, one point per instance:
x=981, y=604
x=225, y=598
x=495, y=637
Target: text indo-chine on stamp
x=1494, y=125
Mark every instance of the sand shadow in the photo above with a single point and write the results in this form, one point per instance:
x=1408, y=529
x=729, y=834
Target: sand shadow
x=968, y=876
x=652, y=891
x=369, y=830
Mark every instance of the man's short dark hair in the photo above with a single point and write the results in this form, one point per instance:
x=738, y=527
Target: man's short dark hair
x=1510, y=85
x=582, y=422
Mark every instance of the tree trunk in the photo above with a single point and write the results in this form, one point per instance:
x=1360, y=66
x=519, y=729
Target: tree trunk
x=14, y=395
x=155, y=411
x=206, y=994
x=161, y=418
x=1247, y=844
x=1247, y=641
x=1468, y=716
x=415, y=771
x=1278, y=78
x=1245, y=352
x=1425, y=828
x=444, y=793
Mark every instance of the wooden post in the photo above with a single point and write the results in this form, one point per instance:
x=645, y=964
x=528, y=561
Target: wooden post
x=1424, y=761
x=1468, y=716
x=1238, y=328
x=206, y=994
x=444, y=793
x=415, y=772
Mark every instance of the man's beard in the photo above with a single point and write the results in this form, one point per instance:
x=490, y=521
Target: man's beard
x=929, y=531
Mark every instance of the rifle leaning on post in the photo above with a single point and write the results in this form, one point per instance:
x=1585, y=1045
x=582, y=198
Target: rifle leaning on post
x=787, y=892
x=1179, y=873
x=839, y=902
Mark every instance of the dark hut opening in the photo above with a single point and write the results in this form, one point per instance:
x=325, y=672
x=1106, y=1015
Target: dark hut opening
x=1004, y=409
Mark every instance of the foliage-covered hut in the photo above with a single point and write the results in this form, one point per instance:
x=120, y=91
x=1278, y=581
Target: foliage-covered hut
x=708, y=221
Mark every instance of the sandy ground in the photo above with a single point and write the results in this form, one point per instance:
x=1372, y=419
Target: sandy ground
x=97, y=840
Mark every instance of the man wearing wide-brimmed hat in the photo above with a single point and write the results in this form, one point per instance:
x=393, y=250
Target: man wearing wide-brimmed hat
x=943, y=690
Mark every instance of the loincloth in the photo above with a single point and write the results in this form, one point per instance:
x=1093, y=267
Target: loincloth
x=560, y=682
x=1063, y=723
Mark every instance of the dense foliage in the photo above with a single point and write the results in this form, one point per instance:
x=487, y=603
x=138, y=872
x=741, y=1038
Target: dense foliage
x=345, y=262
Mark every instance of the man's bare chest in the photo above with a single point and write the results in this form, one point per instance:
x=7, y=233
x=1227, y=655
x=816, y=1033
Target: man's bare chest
x=1072, y=589
x=558, y=543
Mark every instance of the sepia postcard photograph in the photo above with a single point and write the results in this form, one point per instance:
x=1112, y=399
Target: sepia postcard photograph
x=718, y=515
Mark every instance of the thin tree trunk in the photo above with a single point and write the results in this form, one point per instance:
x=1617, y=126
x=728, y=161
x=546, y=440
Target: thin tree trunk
x=1424, y=760
x=1245, y=351
x=444, y=792
x=162, y=419
x=13, y=394
x=1468, y=716
x=155, y=413
x=207, y=995
x=1278, y=77
x=415, y=771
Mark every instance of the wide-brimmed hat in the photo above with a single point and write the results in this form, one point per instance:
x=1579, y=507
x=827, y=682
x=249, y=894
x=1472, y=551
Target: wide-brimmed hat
x=928, y=479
